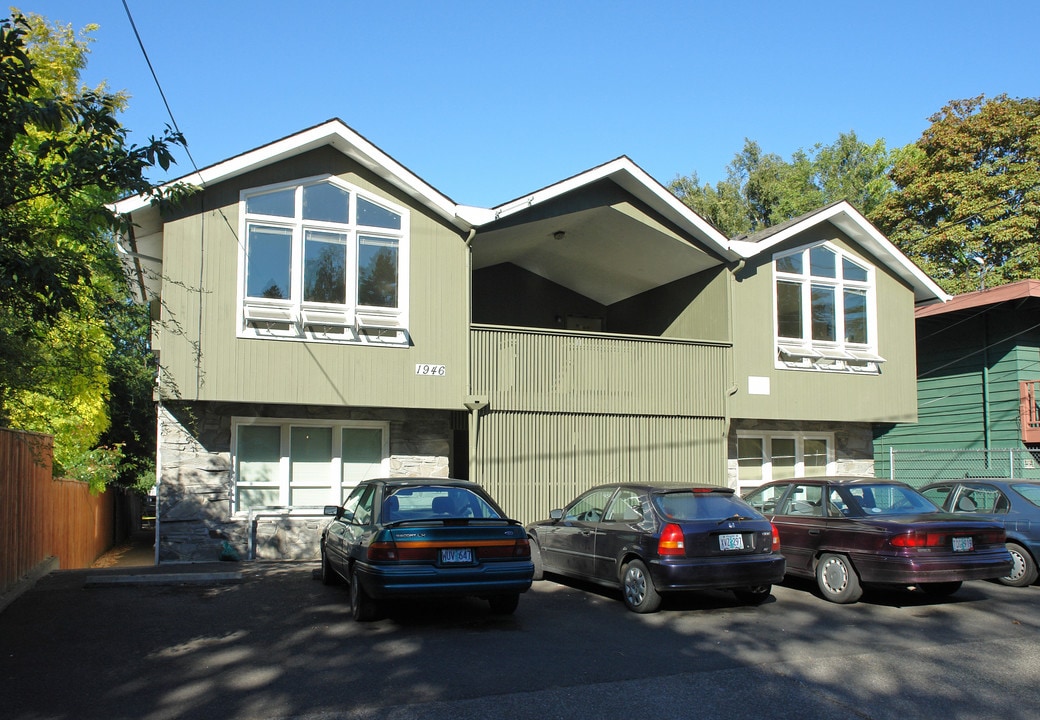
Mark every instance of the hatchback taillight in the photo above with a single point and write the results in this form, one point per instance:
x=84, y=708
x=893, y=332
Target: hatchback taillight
x=671, y=541
x=505, y=549
x=776, y=538
x=383, y=550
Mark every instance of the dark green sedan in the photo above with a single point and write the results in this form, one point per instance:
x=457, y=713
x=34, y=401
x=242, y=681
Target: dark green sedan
x=414, y=538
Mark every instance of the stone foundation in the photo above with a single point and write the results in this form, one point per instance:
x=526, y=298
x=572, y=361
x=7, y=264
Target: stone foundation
x=196, y=523
x=853, y=444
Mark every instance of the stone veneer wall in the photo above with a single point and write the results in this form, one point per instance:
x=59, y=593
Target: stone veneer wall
x=196, y=524
x=853, y=444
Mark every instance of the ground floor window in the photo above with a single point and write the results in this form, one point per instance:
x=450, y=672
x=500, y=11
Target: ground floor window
x=762, y=457
x=292, y=463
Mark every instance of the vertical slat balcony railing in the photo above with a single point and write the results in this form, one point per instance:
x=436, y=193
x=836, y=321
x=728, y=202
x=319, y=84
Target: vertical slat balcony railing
x=1029, y=396
x=545, y=371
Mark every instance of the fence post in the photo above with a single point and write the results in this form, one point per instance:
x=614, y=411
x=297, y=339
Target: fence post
x=891, y=463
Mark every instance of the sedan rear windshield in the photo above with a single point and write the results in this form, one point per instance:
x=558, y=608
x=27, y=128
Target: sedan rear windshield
x=880, y=500
x=1029, y=492
x=702, y=506
x=435, y=501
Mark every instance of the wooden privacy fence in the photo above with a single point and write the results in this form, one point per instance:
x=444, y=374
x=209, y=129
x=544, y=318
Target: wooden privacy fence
x=42, y=517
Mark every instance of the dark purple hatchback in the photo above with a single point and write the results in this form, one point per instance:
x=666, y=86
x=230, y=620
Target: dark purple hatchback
x=847, y=531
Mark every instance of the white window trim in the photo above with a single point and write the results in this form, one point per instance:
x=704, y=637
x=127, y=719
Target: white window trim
x=821, y=356
x=297, y=320
x=767, y=461
x=337, y=488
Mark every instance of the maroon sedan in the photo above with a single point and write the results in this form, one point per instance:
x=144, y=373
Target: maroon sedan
x=847, y=531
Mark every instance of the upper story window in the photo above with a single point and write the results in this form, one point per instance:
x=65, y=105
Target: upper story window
x=825, y=311
x=323, y=260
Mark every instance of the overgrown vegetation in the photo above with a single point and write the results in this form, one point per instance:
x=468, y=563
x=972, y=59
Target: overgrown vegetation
x=73, y=348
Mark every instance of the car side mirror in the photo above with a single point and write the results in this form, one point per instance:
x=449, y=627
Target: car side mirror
x=556, y=514
x=332, y=510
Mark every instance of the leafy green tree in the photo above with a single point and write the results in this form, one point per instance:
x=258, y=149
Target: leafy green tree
x=762, y=189
x=63, y=158
x=967, y=202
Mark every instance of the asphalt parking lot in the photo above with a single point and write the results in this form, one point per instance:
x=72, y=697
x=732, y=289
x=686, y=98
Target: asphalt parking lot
x=268, y=640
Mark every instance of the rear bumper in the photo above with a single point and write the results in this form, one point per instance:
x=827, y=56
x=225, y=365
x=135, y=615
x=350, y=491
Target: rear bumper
x=717, y=573
x=980, y=565
x=409, y=581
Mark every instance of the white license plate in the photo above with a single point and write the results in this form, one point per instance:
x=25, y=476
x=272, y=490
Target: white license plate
x=731, y=542
x=963, y=544
x=456, y=556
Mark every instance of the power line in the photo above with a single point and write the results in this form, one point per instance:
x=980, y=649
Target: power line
x=158, y=85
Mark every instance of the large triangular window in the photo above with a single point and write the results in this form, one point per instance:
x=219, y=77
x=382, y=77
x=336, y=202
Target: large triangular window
x=825, y=317
x=323, y=260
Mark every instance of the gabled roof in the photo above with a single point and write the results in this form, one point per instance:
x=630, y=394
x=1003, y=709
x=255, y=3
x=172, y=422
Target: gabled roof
x=849, y=220
x=1020, y=290
x=642, y=239
x=334, y=133
x=630, y=177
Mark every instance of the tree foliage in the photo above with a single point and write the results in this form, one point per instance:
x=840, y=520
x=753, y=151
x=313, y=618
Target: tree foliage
x=762, y=189
x=967, y=202
x=63, y=157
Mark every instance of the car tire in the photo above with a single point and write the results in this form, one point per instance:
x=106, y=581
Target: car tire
x=504, y=604
x=1023, y=572
x=941, y=589
x=837, y=579
x=637, y=588
x=754, y=595
x=328, y=575
x=536, y=559
x=362, y=606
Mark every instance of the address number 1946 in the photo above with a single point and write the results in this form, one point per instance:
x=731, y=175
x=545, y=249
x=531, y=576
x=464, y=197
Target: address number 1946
x=433, y=370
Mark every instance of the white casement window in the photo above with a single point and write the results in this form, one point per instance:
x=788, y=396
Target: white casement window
x=826, y=316
x=322, y=260
x=302, y=464
x=762, y=457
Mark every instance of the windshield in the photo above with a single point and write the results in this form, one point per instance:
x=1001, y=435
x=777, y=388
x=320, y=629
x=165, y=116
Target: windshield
x=880, y=500
x=702, y=506
x=435, y=501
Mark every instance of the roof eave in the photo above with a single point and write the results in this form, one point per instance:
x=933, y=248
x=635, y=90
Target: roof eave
x=641, y=185
x=850, y=221
x=334, y=133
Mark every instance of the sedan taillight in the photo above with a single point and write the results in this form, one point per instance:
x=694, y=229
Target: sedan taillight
x=776, y=538
x=671, y=541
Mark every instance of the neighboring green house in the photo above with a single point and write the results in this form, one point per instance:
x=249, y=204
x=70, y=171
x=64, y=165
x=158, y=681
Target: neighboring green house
x=978, y=383
x=323, y=315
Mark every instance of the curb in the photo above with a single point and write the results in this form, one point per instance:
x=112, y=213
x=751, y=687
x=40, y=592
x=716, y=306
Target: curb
x=163, y=579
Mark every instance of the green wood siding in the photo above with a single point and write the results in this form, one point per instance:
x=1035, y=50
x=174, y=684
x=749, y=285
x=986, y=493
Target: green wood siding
x=811, y=395
x=590, y=373
x=970, y=366
x=534, y=462
x=204, y=360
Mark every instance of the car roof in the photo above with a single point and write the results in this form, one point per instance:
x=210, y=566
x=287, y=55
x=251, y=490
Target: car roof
x=836, y=480
x=420, y=481
x=659, y=487
x=995, y=480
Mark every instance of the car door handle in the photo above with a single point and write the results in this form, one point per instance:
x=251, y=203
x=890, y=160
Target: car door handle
x=814, y=532
x=586, y=532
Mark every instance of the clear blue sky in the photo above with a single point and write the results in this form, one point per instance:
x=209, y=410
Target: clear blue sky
x=487, y=101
